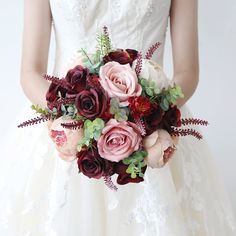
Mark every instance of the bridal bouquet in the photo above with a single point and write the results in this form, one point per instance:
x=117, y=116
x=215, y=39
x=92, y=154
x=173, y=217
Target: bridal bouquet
x=113, y=100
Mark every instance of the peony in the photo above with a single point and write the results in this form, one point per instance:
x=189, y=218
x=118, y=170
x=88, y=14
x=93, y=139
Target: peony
x=152, y=71
x=122, y=56
x=92, y=165
x=77, y=78
x=160, y=146
x=66, y=140
x=91, y=103
x=118, y=140
x=119, y=81
x=125, y=178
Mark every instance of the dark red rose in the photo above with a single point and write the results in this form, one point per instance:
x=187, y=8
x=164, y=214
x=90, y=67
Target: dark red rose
x=77, y=79
x=171, y=118
x=123, y=177
x=139, y=106
x=153, y=120
x=121, y=56
x=52, y=94
x=91, y=103
x=92, y=165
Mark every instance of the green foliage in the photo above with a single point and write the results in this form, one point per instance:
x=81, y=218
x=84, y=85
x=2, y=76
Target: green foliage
x=135, y=164
x=93, y=61
x=149, y=87
x=104, y=43
x=120, y=113
x=170, y=97
x=69, y=110
x=92, y=131
x=40, y=110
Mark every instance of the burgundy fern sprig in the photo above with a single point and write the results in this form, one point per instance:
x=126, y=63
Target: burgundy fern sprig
x=193, y=121
x=185, y=132
x=34, y=121
x=138, y=67
x=61, y=82
x=152, y=50
x=109, y=183
x=73, y=125
x=141, y=126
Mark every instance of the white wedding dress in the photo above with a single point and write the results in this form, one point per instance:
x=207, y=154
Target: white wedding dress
x=41, y=195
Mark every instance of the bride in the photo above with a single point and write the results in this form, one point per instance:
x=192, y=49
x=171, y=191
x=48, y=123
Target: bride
x=41, y=195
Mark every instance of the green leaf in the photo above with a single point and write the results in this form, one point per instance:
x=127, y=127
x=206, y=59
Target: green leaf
x=140, y=174
x=164, y=104
x=97, y=135
x=126, y=161
x=133, y=175
x=157, y=90
x=129, y=170
x=152, y=83
x=149, y=92
x=88, y=123
x=98, y=123
x=144, y=82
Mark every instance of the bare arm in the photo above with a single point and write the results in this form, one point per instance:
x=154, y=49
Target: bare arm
x=184, y=37
x=36, y=40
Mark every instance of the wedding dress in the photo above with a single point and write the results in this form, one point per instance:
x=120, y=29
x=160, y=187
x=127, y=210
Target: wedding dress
x=41, y=195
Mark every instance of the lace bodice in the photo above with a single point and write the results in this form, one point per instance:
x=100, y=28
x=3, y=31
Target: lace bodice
x=131, y=23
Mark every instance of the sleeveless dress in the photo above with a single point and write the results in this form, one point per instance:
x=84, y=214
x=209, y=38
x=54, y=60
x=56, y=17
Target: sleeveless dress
x=41, y=195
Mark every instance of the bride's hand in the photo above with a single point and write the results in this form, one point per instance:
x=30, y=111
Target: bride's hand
x=65, y=140
x=160, y=147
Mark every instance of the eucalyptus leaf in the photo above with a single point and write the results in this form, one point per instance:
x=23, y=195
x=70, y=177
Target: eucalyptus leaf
x=133, y=175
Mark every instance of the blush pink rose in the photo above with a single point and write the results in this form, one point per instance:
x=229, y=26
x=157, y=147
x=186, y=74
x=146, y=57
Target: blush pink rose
x=119, y=140
x=66, y=140
x=160, y=146
x=119, y=81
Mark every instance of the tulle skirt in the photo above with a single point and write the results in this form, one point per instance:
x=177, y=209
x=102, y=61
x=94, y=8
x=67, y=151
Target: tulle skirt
x=41, y=195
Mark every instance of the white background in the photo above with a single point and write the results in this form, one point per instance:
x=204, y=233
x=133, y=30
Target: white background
x=214, y=99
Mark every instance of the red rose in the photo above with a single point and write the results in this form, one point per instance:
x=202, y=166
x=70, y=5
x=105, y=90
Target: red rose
x=52, y=94
x=77, y=79
x=92, y=165
x=171, y=118
x=121, y=56
x=91, y=103
x=139, y=106
x=123, y=177
x=153, y=120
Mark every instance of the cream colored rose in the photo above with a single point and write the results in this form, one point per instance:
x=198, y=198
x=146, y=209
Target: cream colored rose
x=153, y=71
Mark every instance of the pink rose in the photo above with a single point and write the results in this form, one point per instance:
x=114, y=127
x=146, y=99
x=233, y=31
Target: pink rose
x=119, y=81
x=160, y=147
x=119, y=140
x=66, y=140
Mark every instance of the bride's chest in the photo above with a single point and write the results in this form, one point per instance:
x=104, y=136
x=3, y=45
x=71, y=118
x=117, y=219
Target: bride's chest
x=113, y=10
